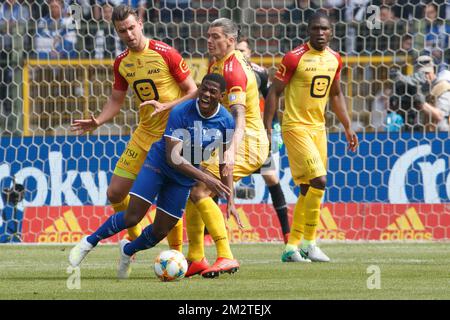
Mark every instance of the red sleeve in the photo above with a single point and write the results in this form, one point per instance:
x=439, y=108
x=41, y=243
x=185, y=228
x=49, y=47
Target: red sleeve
x=234, y=75
x=120, y=83
x=337, y=76
x=236, y=80
x=177, y=65
x=288, y=66
x=338, y=71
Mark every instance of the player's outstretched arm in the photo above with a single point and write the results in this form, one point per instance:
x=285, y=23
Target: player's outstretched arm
x=339, y=107
x=188, y=86
x=271, y=104
x=238, y=112
x=228, y=181
x=174, y=148
x=110, y=110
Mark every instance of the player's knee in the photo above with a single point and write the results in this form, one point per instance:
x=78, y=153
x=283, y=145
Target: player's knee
x=271, y=179
x=319, y=182
x=304, y=189
x=161, y=231
x=198, y=193
x=115, y=195
x=159, y=234
x=131, y=218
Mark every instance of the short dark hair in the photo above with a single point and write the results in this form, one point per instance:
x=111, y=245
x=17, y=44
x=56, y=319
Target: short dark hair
x=316, y=16
x=122, y=12
x=215, y=77
x=246, y=40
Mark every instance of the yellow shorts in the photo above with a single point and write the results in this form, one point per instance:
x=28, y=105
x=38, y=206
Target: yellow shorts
x=250, y=157
x=307, y=153
x=132, y=159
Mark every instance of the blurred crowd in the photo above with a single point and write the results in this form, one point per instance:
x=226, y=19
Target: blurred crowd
x=45, y=29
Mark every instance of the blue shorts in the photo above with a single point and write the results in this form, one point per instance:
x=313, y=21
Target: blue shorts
x=151, y=183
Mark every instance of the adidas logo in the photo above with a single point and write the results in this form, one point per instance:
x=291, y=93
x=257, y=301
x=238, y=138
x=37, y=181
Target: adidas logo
x=246, y=234
x=327, y=227
x=406, y=227
x=63, y=230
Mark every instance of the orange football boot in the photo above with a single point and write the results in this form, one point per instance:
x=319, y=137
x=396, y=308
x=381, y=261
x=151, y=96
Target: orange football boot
x=220, y=266
x=196, y=267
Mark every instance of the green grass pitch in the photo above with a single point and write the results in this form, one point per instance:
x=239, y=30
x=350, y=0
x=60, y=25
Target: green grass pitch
x=407, y=271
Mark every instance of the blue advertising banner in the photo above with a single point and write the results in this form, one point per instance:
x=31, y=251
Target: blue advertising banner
x=387, y=168
x=59, y=171
x=390, y=168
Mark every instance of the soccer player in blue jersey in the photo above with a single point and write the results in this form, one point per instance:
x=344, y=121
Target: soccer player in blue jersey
x=195, y=129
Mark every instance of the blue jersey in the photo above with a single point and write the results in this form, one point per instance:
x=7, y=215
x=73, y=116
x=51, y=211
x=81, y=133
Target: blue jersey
x=200, y=137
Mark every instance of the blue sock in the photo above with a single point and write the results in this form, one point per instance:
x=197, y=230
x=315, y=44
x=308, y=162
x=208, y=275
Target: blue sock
x=145, y=241
x=112, y=226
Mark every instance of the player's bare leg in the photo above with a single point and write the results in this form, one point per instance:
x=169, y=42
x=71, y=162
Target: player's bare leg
x=279, y=202
x=117, y=194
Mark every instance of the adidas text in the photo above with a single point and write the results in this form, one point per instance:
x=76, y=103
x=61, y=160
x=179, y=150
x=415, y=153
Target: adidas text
x=406, y=235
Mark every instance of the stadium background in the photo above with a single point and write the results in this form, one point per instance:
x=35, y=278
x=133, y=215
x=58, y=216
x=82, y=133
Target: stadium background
x=396, y=187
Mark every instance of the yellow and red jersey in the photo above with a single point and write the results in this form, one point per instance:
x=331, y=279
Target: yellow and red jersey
x=152, y=74
x=308, y=75
x=242, y=88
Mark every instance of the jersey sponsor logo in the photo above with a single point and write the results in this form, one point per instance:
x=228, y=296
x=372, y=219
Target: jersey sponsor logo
x=153, y=71
x=131, y=153
x=311, y=69
x=282, y=70
x=406, y=227
x=130, y=75
x=183, y=66
x=145, y=90
x=319, y=86
x=65, y=229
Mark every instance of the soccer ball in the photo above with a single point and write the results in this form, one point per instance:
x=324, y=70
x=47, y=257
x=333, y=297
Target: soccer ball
x=170, y=265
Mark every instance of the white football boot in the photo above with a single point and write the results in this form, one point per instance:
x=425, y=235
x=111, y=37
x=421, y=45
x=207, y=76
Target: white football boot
x=314, y=253
x=124, y=269
x=293, y=256
x=79, y=252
